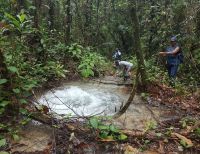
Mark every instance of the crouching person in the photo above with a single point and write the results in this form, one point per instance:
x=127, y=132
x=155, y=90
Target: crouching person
x=126, y=66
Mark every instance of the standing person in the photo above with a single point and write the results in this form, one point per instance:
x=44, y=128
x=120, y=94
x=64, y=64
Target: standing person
x=117, y=54
x=117, y=57
x=126, y=66
x=173, y=59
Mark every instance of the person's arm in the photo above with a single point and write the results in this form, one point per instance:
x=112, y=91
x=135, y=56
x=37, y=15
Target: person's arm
x=176, y=50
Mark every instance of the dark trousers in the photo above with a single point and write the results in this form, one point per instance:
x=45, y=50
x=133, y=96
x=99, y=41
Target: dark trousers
x=172, y=71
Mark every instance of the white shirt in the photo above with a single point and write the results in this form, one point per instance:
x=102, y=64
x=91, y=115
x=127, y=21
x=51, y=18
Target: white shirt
x=125, y=63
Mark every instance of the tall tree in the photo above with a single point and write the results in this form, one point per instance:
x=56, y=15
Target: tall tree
x=141, y=76
x=37, y=4
x=88, y=20
x=139, y=52
x=51, y=20
x=67, y=20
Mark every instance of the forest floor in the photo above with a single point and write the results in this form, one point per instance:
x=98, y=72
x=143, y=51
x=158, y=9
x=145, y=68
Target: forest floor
x=176, y=135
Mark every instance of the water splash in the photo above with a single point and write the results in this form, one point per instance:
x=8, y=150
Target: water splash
x=83, y=100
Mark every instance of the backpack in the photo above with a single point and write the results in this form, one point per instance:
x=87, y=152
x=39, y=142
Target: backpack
x=180, y=56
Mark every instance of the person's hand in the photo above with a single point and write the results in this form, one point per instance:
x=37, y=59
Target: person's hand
x=162, y=53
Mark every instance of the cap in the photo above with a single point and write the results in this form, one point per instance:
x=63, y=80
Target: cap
x=173, y=39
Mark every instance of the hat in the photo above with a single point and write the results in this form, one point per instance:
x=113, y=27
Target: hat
x=173, y=39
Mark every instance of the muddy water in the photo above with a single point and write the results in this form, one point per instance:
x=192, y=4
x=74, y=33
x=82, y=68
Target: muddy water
x=87, y=98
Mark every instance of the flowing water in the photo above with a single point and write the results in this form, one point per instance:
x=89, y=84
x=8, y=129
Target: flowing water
x=79, y=98
x=90, y=98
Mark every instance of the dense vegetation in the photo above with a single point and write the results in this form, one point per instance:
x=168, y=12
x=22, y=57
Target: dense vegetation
x=47, y=40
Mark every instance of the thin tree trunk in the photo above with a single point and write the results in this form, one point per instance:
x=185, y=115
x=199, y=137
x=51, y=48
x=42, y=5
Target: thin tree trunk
x=81, y=26
x=139, y=53
x=67, y=21
x=20, y=6
x=97, y=22
x=51, y=14
x=130, y=99
x=37, y=4
x=88, y=21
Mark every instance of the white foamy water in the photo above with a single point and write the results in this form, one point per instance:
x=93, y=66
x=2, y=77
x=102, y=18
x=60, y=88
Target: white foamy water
x=83, y=99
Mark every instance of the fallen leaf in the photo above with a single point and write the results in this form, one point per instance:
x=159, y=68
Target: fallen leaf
x=107, y=140
x=161, y=147
x=186, y=140
x=130, y=150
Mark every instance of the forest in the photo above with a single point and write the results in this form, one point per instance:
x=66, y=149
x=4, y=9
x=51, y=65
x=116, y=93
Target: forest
x=99, y=76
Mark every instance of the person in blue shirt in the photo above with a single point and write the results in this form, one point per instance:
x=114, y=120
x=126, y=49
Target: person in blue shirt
x=173, y=60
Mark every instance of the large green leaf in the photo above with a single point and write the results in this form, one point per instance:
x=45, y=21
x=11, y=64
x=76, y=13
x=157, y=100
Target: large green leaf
x=23, y=111
x=23, y=101
x=4, y=103
x=113, y=129
x=21, y=17
x=94, y=122
x=2, y=81
x=122, y=137
x=103, y=127
x=13, y=20
x=103, y=134
x=2, y=142
x=16, y=137
x=17, y=91
x=2, y=110
x=13, y=69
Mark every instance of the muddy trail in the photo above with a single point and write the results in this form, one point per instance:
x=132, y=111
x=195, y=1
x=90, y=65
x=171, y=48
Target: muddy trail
x=152, y=123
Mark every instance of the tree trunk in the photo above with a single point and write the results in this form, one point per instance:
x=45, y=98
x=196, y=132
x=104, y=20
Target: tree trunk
x=97, y=23
x=68, y=21
x=51, y=14
x=37, y=4
x=130, y=99
x=88, y=21
x=20, y=5
x=3, y=70
x=139, y=53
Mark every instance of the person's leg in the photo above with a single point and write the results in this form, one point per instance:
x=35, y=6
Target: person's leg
x=173, y=71
x=128, y=71
x=125, y=73
x=169, y=70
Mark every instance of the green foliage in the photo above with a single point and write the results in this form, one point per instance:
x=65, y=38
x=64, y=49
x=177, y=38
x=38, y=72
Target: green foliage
x=150, y=125
x=144, y=96
x=76, y=50
x=197, y=132
x=2, y=81
x=184, y=144
x=155, y=73
x=90, y=63
x=145, y=145
x=19, y=22
x=169, y=131
x=187, y=122
x=2, y=142
x=109, y=132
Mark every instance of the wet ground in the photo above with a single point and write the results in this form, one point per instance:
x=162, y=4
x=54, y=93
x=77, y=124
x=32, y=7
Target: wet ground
x=102, y=97
x=98, y=98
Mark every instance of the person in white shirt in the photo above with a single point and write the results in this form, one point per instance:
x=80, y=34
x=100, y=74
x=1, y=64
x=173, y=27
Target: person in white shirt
x=126, y=66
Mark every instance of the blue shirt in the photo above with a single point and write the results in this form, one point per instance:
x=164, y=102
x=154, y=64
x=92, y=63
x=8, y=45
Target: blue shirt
x=172, y=59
